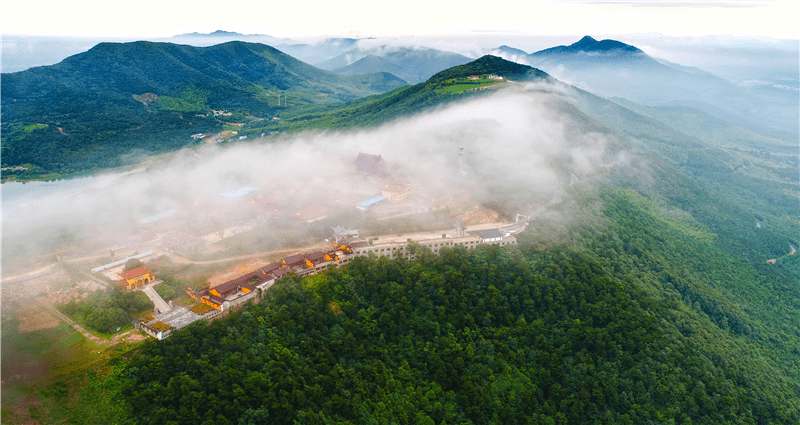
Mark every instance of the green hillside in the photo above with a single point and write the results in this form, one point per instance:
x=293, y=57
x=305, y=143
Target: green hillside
x=757, y=173
x=644, y=296
x=401, y=102
x=97, y=108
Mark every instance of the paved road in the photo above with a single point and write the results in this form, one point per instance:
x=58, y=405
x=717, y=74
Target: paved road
x=159, y=302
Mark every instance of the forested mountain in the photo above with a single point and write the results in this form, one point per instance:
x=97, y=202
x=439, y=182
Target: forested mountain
x=95, y=107
x=589, y=45
x=613, y=68
x=374, y=63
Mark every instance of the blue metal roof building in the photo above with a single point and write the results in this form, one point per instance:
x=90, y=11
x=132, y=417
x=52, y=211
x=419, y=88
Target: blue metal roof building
x=238, y=192
x=371, y=201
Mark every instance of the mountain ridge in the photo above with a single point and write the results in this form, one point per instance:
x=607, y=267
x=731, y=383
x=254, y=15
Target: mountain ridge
x=612, y=68
x=413, y=65
x=590, y=45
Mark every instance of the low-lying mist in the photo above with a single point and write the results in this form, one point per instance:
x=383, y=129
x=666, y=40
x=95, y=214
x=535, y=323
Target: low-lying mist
x=521, y=145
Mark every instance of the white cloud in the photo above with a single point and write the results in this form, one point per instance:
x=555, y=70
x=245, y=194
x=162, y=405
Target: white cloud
x=128, y=18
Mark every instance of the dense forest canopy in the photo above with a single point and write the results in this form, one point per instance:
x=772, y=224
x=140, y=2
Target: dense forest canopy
x=625, y=319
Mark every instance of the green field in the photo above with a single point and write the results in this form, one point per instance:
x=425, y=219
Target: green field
x=32, y=356
x=46, y=370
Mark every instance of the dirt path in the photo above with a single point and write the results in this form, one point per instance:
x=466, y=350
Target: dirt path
x=44, y=269
x=131, y=335
x=30, y=275
x=43, y=302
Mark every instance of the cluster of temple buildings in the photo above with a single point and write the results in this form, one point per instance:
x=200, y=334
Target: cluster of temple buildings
x=247, y=287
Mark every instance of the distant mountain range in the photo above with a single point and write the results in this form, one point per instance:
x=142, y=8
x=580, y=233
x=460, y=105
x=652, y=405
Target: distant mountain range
x=413, y=65
x=321, y=51
x=217, y=33
x=612, y=68
x=373, y=63
x=86, y=111
x=161, y=68
x=220, y=36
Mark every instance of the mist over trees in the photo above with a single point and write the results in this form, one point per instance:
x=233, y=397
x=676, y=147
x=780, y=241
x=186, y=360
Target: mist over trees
x=640, y=292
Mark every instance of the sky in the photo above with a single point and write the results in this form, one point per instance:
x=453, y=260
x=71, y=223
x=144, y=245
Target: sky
x=297, y=19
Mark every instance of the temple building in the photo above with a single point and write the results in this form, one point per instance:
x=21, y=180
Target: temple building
x=370, y=164
x=137, y=277
x=340, y=233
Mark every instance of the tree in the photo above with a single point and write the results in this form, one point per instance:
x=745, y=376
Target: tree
x=132, y=264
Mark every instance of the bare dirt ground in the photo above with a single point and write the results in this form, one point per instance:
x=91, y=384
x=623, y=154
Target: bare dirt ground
x=240, y=269
x=41, y=271
x=478, y=215
x=18, y=293
x=57, y=286
x=35, y=319
x=114, y=273
x=48, y=290
x=177, y=259
x=254, y=264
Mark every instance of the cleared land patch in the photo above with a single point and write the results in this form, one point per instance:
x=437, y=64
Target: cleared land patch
x=460, y=85
x=36, y=319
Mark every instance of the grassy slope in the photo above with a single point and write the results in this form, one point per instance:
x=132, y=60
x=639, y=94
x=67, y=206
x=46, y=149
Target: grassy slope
x=59, y=361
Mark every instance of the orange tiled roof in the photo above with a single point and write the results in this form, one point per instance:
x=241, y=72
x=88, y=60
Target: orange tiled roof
x=139, y=271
